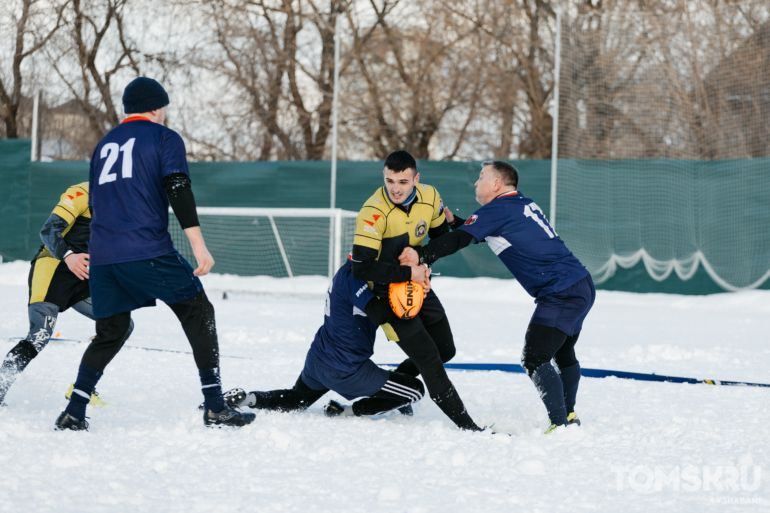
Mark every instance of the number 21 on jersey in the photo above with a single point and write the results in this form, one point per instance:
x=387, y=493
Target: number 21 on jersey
x=111, y=151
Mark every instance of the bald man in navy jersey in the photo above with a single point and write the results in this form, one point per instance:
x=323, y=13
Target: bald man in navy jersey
x=519, y=234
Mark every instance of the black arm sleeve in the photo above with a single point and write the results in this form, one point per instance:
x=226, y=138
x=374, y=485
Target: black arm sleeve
x=367, y=268
x=458, y=222
x=379, y=311
x=444, y=246
x=439, y=230
x=180, y=195
x=51, y=235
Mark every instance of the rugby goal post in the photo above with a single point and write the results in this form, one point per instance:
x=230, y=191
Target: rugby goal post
x=277, y=242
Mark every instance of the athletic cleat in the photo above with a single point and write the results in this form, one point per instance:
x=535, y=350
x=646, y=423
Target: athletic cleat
x=234, y=398
x=334, y=409
x=572, y=418
x=67, y=421
x=551, y=429
x=406, y=410
x=227, y=417
x=95, y=400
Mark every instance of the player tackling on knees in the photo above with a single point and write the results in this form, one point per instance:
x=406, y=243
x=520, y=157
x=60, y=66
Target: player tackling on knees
x=137, y=170
x=397, y=216
x=518, y=232
x=339, y=359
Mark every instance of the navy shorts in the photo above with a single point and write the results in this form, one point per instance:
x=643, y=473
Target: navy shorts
x=567, y=309
x=124, y=287
x=367, y=380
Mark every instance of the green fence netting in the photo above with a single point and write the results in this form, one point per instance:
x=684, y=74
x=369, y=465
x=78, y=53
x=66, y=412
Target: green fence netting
x=607, y=211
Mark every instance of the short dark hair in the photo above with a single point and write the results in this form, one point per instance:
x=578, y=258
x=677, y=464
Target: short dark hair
x=507, y=172
x=400, y=160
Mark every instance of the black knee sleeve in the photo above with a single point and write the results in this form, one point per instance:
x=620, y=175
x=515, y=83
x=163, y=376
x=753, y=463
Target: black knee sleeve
x=20, y=356
x=540, y=345
x=441, y=333
x=565, y=356
x=422, y=351
x=110, y=337
x=197, y=317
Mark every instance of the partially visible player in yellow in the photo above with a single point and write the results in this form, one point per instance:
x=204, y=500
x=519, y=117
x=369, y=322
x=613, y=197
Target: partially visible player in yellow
x=400, y=215
x=58, y=280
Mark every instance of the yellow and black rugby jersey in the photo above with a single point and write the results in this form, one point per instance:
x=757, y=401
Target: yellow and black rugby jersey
x=381, y=225
x=73, y=208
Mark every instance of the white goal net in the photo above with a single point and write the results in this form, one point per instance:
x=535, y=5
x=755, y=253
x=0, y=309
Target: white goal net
x=278, y=242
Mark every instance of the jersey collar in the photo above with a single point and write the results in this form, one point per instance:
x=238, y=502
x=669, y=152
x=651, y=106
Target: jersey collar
x=408, y=201
x=510, y=193
x=135, y=118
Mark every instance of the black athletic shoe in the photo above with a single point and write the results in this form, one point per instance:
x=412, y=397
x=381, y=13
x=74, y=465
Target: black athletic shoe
x=406, y=410
x=333, y=409
x=227, y=417
x=67, y=421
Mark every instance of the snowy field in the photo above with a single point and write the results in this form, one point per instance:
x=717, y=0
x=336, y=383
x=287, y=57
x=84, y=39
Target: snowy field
x=642, y=446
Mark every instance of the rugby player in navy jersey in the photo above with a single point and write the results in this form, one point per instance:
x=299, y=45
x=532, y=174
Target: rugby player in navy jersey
x=137, y=170
x=518, y=232
x=339, y=359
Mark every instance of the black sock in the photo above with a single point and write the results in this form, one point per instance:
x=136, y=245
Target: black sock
x=570, y=378
x=14, y=364
x=549, y=385
x=81, y=394
x=450, y=403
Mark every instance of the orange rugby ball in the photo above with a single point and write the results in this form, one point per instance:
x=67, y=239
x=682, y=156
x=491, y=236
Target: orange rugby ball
x=406, y=298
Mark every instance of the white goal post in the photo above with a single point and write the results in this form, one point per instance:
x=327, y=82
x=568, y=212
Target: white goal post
x=278, y=242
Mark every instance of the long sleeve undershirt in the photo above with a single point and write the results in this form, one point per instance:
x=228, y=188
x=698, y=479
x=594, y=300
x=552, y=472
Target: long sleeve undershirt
x=51, y=235
x=180, y=195
x=444, y=246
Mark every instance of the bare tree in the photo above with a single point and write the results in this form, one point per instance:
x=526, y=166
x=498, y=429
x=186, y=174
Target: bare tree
x=523, y=40
x=411, y=74
x=95, y=30
x=34, y=22
x=279, y=55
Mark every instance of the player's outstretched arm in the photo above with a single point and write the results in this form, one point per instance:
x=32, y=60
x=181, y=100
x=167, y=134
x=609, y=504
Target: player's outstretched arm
x=366, y=267
x=437, y=248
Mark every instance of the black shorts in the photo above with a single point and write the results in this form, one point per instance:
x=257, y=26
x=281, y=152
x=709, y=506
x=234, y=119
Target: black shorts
x=431, y=312
x=51, y=281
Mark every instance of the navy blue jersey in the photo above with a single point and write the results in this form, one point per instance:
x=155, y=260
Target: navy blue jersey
x=518, y=232
x=346, y=339
x=129, y=204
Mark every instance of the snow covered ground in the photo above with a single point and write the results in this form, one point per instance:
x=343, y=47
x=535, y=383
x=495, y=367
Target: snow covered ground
x=642, y=446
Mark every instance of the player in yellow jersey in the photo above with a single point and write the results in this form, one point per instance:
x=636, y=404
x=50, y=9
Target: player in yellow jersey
x=58, y=280
x=401, y=214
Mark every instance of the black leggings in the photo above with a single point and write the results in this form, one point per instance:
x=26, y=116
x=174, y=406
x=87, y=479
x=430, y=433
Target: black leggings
x=441, y=339
x=543, y=343
x=398, y=391
x=196, y=315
